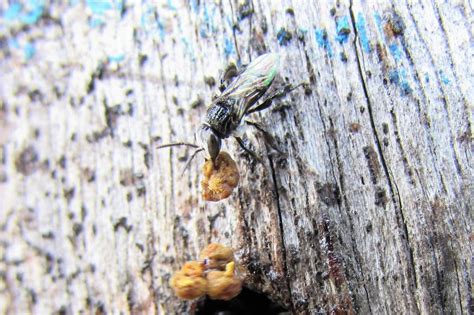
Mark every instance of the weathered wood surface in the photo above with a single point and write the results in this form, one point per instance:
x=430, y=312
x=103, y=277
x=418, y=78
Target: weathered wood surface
x=369, y=210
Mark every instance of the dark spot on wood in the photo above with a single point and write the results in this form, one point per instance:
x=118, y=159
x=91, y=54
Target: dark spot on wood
x=62, y=311
x=26, y=162
x=122, y=223
x=245, y=10
x=380, y=197
x=77, y=229
x=35, y=95
x=142, y=59
x=329, y=194
x=129, y=196
x=381, y=52
x=343, y=56
x=128, y=178
x=140, y=247
x=354, y=127
x=369, y=227
x=73, y=137
x=332, y=11
x=247, y=302
x=290, y=11
x=385, y=141
x=48, y=236
x=385, y=128
x=349, y=97
x=198, y=102
x=36, y=133
x=210, y=81
x=174, y=99
x=69, y=193
x=97, y=74
x=88, y=174
x=372, y=163
x=62, y=162
x=19, y=277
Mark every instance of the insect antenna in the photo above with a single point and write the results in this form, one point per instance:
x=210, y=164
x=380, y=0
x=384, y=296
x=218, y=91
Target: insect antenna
x=190, y=159
x=177, y=144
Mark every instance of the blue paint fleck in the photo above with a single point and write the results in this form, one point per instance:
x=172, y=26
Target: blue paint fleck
x=395, y=51
x=283, y=36
x=427, y=78
x=152, y=24
x=116, y=58
x=29, y=51
x=28, y=13
x=34, y=13
x=443, y=77
x=170, y=5
x=13, y=12
x=194, y=5
x=378, y=22
x=323, y=42
x=343, y=30
x=360, y=25
x=228, y=47
x=99, y=7
x=400, y=78
x=188, y=48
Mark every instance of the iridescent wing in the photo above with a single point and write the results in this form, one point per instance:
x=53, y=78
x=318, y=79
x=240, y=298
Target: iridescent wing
x=250, y=85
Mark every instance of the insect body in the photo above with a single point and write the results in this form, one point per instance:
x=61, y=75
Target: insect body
x=238, y=99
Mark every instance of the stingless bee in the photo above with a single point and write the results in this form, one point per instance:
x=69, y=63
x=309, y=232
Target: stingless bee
x=238, y=99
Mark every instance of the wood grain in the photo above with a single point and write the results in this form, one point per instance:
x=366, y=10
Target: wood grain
x=367, y=208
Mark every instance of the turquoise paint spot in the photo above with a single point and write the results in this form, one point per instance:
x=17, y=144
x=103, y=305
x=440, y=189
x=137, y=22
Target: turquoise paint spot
x=395, y=51
x=399, y=77
x=34, y=13
x=188, y=48
x=96, y=21
x=228, y=47
x=362, y=31
x=323, y=42
x=427, y=78
x=443, y=77
x=194, y=6
x=170, y=5
x=378, y=22
x=152, y=24
x=13, y=12
x=343, y=30
x=116, y=58
x=29, y=51
x=99, y=7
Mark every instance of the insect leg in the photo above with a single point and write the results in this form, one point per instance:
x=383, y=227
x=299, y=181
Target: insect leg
x=278, y=94
x=252, y=153
x=267, y=136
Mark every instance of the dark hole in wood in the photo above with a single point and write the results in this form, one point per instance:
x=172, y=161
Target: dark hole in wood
x=247, y=302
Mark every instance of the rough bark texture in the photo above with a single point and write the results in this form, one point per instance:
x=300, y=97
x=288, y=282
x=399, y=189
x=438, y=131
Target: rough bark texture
x=367, y=210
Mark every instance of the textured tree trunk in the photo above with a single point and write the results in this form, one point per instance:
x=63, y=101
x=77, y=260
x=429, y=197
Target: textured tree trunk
x=367, y=209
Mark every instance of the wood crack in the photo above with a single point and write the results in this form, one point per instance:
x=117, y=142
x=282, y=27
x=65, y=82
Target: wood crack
x=396, y=198
x=280, y=219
